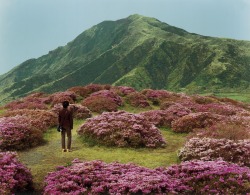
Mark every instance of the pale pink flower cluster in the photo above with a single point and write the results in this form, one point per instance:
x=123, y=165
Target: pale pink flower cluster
x=17, y=134
x=122, y=129
x=38, y=119
x=211, y=149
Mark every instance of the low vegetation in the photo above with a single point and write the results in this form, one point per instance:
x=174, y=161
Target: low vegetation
x=144, y=146
x=122, y=129
x=15, y=177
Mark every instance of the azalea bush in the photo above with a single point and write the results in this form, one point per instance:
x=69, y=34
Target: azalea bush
x=43, y=97
x=100, y=104
x=15, y=177
x=156, y=96
x=122, y=129
x=38, y=119
x=164, y=118
x=159, y=118
x=212, y=149
x=97, y=87
x=212, y=177
x=191, y=121
x=227, y=129
x=137, y=99
x=103, y=100
x=233, y=102
x=109, y=95
x=33, y=101
x=178, y=110
x=97, y=177
x=191, y=177
x=166, y=104
x=59, y=97
x=78, y=111
x=203, y=99
x=78, y=90
x=17, y=134
x=123, y=90
x=218, y=108
x=20, y=104
x=85, y=91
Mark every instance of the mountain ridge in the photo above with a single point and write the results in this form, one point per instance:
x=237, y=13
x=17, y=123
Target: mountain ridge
x=137, y=51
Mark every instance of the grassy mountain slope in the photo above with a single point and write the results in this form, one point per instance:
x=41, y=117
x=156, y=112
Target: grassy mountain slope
x=137, y=51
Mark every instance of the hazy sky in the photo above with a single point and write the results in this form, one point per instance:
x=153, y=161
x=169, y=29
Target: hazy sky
x=31, y=28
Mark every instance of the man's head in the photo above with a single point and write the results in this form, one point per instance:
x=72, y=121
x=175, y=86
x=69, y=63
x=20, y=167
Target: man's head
x=65, y=104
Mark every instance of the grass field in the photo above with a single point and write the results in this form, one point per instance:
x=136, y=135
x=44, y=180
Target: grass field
x=244, y=97
x=47, y=157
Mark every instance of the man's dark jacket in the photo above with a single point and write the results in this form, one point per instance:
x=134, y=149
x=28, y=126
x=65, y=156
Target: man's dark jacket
x=65, y=118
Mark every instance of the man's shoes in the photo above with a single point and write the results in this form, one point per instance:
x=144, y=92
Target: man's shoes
x=68, y=150
x=63, y=150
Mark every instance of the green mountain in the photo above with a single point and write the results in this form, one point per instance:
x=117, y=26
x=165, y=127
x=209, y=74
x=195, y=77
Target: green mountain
x=137, y=51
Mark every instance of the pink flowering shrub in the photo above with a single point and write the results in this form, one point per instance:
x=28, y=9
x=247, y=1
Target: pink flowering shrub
x=159, y=118
x=123, y=90
x=191, y=121
x=92, y=88
x=97, y=87
x=156, y=96
x=15, y=177
x=79, y=111
x=164, y=118
x=59, y=97
x=223, y=129
x=20, y=104
x=44, y=98
x=97, y=177
x=85, y=91
x=56, y=108
x=17, y=134
x=122, y=129
x=155, y=117
x=108, y=95
x=189, y=104
x=100, y=104
x=203, y=99
x=33, y=101
x=166, y=104
x=38, y=119
x=212, y=177
x=178, y=110
x=78, y=90
x=103, y=100
x=137, y=99
x=233, y=102
x=211, y=149
x=221, y=109
x=191, y=177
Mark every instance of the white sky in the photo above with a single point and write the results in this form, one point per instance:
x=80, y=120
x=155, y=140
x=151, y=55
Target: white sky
x=32, y=28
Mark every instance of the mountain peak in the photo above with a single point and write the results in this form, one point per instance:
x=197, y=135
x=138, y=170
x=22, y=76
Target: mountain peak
x=136, y=51
x=135, y=16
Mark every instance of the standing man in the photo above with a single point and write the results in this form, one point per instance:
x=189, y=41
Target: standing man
x=65, y=120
